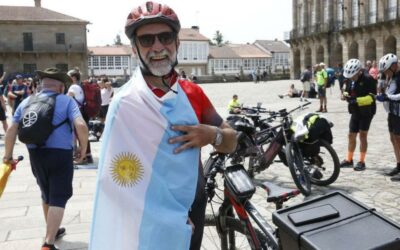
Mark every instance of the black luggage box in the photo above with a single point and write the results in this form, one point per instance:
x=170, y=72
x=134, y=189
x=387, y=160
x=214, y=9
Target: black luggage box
x=335, y=222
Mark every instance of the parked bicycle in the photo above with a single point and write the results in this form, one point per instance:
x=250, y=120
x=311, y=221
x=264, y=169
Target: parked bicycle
x=232, y=219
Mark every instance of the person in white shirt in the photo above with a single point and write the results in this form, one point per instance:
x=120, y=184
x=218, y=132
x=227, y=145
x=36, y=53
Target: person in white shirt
x=107, y=93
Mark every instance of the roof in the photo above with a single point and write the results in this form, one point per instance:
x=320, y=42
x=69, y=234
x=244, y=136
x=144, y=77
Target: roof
x=114, y=50
x=190, y=34
x=34, y=14
x=237, y=51
x=273, y=45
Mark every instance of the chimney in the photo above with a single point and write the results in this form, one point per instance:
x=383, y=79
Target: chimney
x=196, y=28
x=38, y=4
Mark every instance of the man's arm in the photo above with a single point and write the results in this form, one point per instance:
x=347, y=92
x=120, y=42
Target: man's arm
x=10, y=138
x=82, y=133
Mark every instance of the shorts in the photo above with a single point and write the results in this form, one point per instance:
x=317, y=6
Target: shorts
x=3, y=116
x=103, y=111
x=321, y=92
x=359, y=123
x=394, y=124
x=306, y=86
x=53, y=170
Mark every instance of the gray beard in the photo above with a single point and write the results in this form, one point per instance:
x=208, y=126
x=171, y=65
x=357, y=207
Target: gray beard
x=162, y=69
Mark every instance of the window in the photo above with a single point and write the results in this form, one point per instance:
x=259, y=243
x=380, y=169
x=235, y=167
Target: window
x=60, y=38
x=103, y=62
x=28, y=42
x=392, y=9
x=62, y=66
x=118, y=62
x=339, y=13
x=110, y=62
x=354, y=13
x=372, y=11
x=29, y=68
x=95, y=62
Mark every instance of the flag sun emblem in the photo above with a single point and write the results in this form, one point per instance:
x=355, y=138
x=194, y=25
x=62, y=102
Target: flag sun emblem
x=126, y=170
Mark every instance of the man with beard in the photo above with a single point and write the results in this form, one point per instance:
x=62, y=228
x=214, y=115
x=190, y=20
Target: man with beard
x=150, y=191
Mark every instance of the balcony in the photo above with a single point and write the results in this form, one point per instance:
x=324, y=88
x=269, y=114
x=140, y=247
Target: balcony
x=44, y=48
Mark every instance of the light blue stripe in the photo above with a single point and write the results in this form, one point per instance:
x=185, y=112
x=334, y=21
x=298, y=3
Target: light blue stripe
x=172, y=186
x=111, y=114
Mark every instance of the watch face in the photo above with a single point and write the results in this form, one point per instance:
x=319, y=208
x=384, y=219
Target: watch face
x=218, y=137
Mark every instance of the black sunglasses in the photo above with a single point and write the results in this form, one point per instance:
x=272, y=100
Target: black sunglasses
x=165, y=38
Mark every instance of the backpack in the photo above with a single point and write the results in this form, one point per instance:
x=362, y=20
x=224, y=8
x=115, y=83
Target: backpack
x=92, y=103
x=36, y=124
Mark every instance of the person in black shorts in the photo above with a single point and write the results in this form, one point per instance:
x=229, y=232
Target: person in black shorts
x=51, y=163
x=390, y=95
x=360, y=94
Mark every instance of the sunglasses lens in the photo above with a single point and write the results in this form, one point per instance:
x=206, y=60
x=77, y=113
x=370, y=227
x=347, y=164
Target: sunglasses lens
x=147, y=40
x=166, y=37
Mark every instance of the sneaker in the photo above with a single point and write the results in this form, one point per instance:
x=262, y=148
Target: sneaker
x=92, y=138
x=393, y=172
x=395, y=178
x=89, y=159
x=280, y=96
x=346, y=164
x=360, y=166
x=49, y=247
x=316, y=174
x=60, y=233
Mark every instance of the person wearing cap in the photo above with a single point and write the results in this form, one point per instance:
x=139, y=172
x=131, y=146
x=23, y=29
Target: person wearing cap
x=322, y=81
x=52, y=163
x=150, y=189
x=360, y=94
x=18, y=92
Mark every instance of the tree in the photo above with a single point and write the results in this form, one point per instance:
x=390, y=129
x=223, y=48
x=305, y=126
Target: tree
x=117, y=40
x=218, y=38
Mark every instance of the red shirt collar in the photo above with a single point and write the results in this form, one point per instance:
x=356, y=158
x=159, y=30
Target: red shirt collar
x=159, y=92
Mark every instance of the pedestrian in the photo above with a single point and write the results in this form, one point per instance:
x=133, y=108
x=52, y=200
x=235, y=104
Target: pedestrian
x=306, y=81
x=391, y=96
x=107, y=93
x=76, y=92
x=340, y=77
x=150, y=190
x=51, y=163
x=359, y=94
x=292, y=92
x=373, y=71
x=322, y=81
x=18, y=91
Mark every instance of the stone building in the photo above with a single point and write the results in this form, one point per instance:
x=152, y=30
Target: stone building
x=333, y=31
x=280, y=53
x=36, y=38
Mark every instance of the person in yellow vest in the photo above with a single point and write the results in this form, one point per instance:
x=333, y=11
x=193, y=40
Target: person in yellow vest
x=322, y=80
x=234, y=105
x=360, y=94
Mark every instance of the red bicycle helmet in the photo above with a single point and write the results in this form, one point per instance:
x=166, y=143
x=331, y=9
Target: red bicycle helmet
x=151, y=12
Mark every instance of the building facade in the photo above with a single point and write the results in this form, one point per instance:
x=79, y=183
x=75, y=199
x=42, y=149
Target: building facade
x=333, y=31
x=279, y=51
x=36, y=38
x=232, y=59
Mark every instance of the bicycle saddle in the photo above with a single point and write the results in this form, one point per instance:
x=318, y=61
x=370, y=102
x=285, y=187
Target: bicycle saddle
x=275, y=192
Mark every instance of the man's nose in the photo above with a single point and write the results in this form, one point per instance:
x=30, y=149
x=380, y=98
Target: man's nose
x=158, y=46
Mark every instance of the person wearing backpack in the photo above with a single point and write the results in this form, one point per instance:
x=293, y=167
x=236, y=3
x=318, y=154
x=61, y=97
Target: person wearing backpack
x=51, y=157
x=76, y=91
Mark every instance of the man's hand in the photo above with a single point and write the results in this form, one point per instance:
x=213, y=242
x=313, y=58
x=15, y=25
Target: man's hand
x=195, y=136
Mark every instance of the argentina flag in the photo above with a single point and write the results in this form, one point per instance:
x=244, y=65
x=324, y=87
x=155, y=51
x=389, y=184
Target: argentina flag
x=144, y=191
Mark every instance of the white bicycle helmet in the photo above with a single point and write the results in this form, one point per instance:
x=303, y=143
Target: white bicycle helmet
x=387, y=61
x=351, y=68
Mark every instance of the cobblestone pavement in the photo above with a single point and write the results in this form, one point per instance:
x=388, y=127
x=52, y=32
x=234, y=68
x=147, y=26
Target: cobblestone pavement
x=21, y=221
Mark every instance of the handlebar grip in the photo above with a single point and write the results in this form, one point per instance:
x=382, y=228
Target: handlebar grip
x=20, y=158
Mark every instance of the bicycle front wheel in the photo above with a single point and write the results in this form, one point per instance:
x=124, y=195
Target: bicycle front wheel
x=295, y=161
x=233, y=235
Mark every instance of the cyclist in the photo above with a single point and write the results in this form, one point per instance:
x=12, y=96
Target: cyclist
x=388, y=66
x=150, y=179
x=234, y=105
x=359, y=93
x=322, y=81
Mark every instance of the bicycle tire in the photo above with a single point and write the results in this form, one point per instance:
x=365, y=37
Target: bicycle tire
x=282, y=157
x=299, y=174
x=336, y=165
x=234, y=225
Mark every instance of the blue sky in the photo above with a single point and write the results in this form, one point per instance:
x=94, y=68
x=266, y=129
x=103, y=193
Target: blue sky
x=238, y=21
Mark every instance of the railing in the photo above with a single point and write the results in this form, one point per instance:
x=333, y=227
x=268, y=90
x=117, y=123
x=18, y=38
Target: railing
x=45, y=48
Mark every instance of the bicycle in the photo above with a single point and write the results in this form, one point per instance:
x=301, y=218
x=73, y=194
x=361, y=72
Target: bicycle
x=238, y=189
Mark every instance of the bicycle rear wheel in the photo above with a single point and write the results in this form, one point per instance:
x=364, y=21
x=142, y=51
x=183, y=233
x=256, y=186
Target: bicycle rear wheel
x=324, y=168
x=300, y=175
x=234, y=236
